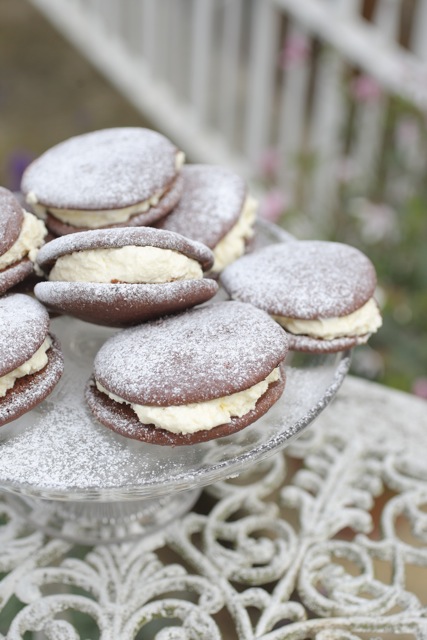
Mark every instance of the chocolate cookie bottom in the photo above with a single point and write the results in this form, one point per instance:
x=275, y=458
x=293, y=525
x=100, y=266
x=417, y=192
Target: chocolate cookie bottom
x=166, y=203
x=15, y=273
x=122, y=305
x=317, y=345
x=122, y=419
x=30, y=390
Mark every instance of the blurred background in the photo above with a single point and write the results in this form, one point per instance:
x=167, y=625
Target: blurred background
x=320, y=104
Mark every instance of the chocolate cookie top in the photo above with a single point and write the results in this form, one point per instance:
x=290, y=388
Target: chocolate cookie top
x=122, y=237
x=205, y=353
x=24, y=324
x=11, y=219
x=303, y=279
x=210, y=205
x=106, y=169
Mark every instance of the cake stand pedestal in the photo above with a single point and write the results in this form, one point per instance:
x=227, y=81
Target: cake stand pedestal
x=95, y=522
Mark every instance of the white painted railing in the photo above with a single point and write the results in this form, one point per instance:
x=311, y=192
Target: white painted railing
x=229, y=80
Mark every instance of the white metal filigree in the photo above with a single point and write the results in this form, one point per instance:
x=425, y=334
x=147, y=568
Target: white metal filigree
x=320, y=543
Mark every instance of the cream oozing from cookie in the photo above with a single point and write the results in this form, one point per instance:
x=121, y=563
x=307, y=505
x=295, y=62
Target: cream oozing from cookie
x=102, y=217
x=37, y=362
x=232, y=245
x=200, y=416
x=365, y=320
x=130, y=264
x=28, y=242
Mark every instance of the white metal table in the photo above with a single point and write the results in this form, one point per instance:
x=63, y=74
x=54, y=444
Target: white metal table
x=328, y=541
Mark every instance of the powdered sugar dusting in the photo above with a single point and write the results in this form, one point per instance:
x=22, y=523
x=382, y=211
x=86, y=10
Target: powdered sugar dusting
x=205, y=353
x=11, y=219
x=305, y=279
x=210, y=205
x=65, y=449
x=24, y=325
x=122, y=237
x=106, y=169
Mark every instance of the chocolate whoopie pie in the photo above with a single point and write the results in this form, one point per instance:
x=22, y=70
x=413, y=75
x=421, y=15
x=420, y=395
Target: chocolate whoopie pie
x=320, y=292
x=31, y=361
x=189, y=378
x=119, y=277
x=215, y=209
x=125, y=176
x=21, y=235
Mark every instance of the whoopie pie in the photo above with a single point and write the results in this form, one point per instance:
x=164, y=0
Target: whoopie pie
x=321, y=292
x=185, y=379
x=215, y=208
x=119, y=277
x=125, y=176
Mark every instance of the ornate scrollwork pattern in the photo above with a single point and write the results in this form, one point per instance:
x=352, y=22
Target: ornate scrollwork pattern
x=318, y=544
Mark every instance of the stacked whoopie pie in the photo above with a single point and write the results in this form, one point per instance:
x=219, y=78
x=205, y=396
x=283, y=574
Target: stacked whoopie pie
x=30, y=357
x=31, y=361
x=21, y=235
x=136, y=232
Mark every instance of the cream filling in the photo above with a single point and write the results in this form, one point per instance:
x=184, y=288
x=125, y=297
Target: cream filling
x=148, y=265
x=232, y=245
x=102, y=217
x=37, y=362
x=367, y=319
x=200, y=416
x=28, y=243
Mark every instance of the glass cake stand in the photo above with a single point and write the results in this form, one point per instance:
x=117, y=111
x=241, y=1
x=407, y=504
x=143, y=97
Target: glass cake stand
x=74, y=478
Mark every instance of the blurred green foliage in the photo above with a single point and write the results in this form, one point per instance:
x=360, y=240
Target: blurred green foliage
x=386, y=218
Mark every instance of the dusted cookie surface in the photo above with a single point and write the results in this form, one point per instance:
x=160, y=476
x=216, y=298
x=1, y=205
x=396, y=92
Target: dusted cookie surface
x=321, y=292
x=203, y=355
x=213, y=201
x=30, y=359
x=119, y=277
x=100, y=172
x=11, y=219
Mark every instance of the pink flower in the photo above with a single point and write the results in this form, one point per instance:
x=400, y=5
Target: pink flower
x=269, y=163
x=407, y=132
x=296, y=49
x=273, y=205
x=346, y=170
x=367, y=362
x=364, y=88
x=378, y=220
x=419, y=388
